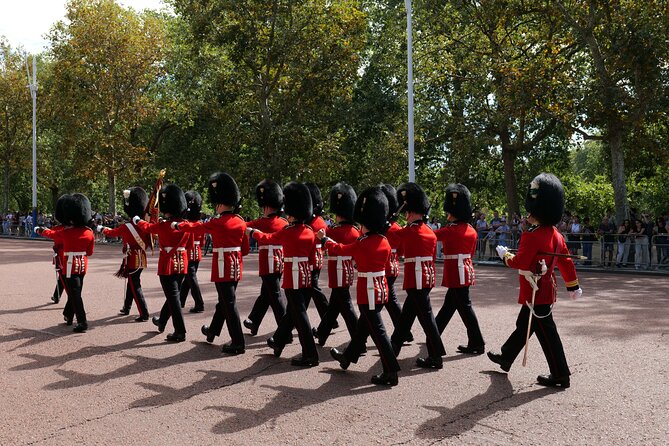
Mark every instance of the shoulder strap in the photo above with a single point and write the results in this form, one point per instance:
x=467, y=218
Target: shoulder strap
x=136, y=236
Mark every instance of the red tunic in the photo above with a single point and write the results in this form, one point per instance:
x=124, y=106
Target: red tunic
x=542, y=239
x=393, y=266
x=195, y=253
x=298, y=246
x=459, y=246
x=57, y=249
x=173, y=245
x=371, y=253
x=229, y=242
x=340, y=268
x=269, y=225
x=77, y=244
x=316, y=259
x=418, y=244
x=135, y=253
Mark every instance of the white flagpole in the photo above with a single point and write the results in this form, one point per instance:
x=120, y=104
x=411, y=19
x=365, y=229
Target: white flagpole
x=412, y=173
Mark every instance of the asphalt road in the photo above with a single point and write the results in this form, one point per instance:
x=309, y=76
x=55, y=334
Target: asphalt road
x=122, y=384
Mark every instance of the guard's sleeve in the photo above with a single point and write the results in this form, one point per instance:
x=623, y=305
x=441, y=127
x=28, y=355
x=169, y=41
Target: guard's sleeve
x=566, y=266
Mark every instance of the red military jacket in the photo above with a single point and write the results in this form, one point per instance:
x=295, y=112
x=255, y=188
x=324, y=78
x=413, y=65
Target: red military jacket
x=57, y=249
x=316, y=259
x=459, y=246
x=195, y=253
x=418, y=244
x=134, y=244
x=298, y=246
x=542, y=239
x=340, y=268
x=173, y=246
x=269, y=225
x=393, y=266
x=370, y=252
x=77, y=244
x=229, y=242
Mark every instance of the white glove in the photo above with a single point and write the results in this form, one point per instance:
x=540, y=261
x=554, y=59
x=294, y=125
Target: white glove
x=174, y=225
x=99, y=228
x=576, y=294
x=501, y=251
x=249, y=231
x=38, y=230
x=136, y=219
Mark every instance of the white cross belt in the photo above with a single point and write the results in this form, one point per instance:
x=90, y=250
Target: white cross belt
x=296, y=268
x=419, y=268
x=461, y=264
x=340, y=269
x=221, y=257
x=270, y=255
x=370, y=276
x=69, y=259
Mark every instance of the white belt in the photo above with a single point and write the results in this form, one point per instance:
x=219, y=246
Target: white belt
x=393, y=250
x=296, y=268
x=270, y=255
x=371, y=298
x=419, y=268
x=533, y=278
x=221, y=257
x=69, y=259
x=340, y=269
x=461, y=264
x=196, y=242
x=319, y=246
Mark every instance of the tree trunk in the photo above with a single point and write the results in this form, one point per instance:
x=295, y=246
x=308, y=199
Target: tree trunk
x=267, y=139
x=111, y=175
x=510, y=182
x=54, y=197
x=615, y=141
x=5, y=191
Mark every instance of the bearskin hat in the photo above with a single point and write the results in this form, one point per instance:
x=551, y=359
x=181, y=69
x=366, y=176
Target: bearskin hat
x=458, y=202
x=194, y=203
x=223, y=189
x=135, y=201
x=545, y=199
x=316, y=198
x=297, y=201
x=77, y=210
x=391, y=195
x=413, y=198
x=269, y=194
x=59, y=212
x=371, y=209
x=172, y=200
x=342, y=200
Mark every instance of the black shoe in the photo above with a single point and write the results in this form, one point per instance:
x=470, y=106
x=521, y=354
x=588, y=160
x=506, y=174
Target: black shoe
x=80, y=327
x=304, y=362
x=156, y=322
x=176, y=337
x=497, y=359
x=55, y=299
x=210, y=336
x=278, y=348
x=385, y=379
x=196, y=310
x=430, y=363
x=550, y=381
x=248, y=323
x=335, y=325
x=68, y=320
x=409, y=338
x=339, y=356
x=124, y=311
x=314, y=331
x=363, y=350
x=290, y=340
x=233, y=349
x=141, y=318
x=471, y=350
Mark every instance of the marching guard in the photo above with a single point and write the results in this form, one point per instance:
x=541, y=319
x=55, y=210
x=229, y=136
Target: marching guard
x=316, y=261
x=270, y=257
x=541, y=249
x=230, y=243
x=190, y=282
x=135, y=241
x=459, y=239
x=58, y=253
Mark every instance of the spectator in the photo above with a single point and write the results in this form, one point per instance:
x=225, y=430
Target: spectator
x=606, y=231
x=648, y=232
x=482, y=230
x=640, y=245
x=492, y=234
x=661, y=241
x=574, y=235
x=588, y=238
x=434, y=224
x=623, y=243
x=503, y=232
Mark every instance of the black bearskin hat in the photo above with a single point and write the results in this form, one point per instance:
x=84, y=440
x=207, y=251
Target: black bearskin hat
x=297, y=201
x=269, y=194
x=342, y=200
x=458, y=202
x=59, y=212
x=135, y=201
x=391, y=195
x=371, y=209
x=172, y=200
x=545, y=199
x=316, y=198
x=194, y=203
x=223, y=189
x=412, y=196
x=77, y=210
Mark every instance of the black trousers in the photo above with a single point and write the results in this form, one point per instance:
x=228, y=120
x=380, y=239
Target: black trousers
x=75, y=304
x=371, y=324
x=340, y=303
x=133, y=291
x=296, y=316
x=270, y=295
x=393, y=306
x=172, y=306
x=226, y=312
x=60, y=286
x=190, y=284
x=418, y=304
x=317, y=295
x=458, y=299
x=546, y=331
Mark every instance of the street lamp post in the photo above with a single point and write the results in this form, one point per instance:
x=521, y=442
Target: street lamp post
x=32, y=84
x=412, y=173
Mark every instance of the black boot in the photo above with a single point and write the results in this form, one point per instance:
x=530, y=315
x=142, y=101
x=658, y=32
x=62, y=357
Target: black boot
x=476, y=350
x=176, y=337
x=551, y=381
x=274, y=345
x=385, y=379
x=81, y=327
x=430, y=363
x=498, y=359
x=210, y=336
x=124, y=311
x=156, y=322
x=248, y=323
x=301, y=361
x=233, y=349
x=339, y=356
